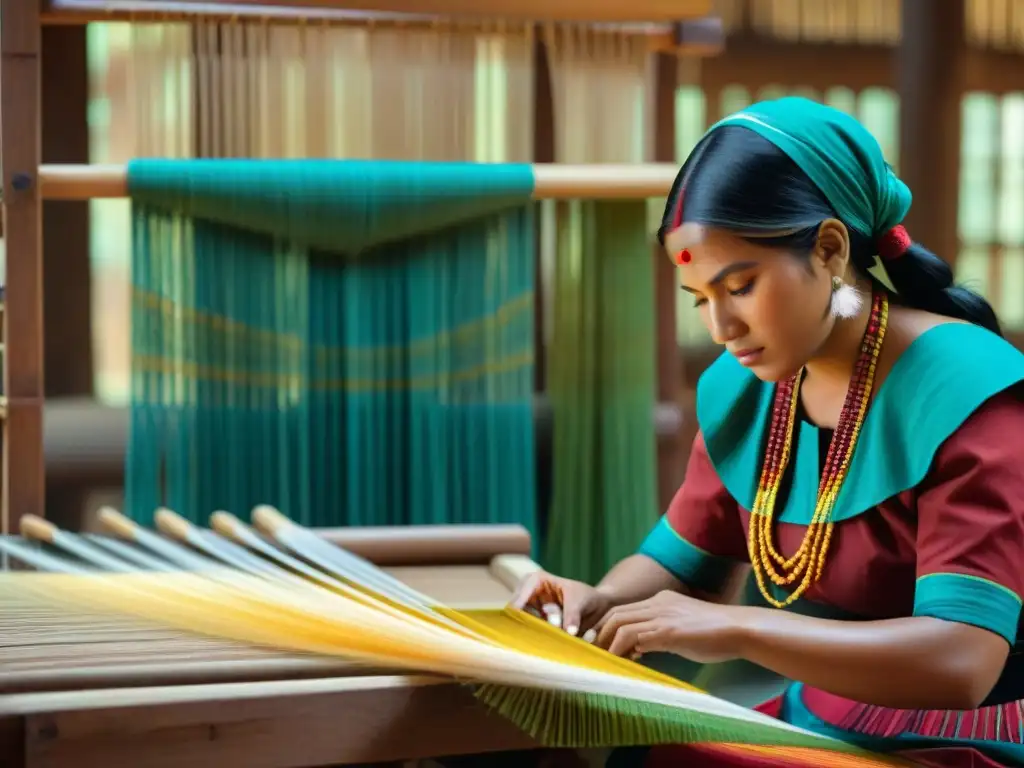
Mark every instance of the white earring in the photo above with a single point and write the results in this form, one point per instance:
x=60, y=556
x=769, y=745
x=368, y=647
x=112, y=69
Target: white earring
x=846, y=300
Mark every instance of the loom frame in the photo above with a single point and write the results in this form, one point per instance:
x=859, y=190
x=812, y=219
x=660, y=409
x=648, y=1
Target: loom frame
x=252, y=719
x=25, y=181
x=682, y=35
x=209, y=726
x=523, y=11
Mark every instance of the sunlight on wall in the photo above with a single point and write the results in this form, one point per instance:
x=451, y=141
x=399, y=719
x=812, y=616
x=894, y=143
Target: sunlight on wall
x=116, y=108
x=991, y=258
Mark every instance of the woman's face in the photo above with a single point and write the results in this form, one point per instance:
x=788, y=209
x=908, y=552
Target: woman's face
x=766, y=306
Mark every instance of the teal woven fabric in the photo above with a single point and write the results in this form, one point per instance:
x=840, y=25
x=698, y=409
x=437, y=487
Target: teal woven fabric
x=351, y=341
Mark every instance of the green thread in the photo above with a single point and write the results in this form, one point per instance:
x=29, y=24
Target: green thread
x=569, y=719
x=601, y=383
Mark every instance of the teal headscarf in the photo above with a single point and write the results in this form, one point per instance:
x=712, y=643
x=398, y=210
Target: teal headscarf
x=838, y=154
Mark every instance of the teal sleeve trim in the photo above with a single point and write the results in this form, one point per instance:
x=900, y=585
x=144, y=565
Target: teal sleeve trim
x=693, y=566
x=969, y=600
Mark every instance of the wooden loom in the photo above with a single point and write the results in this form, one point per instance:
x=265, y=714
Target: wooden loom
x=74, y=693
x=170, y=711
x=671, y=29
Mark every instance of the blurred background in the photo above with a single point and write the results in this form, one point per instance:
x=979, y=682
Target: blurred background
x=940, y=84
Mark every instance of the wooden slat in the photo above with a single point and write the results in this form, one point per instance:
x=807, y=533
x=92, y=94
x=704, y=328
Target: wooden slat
x=683, y=36
x=412, y=546
x=521, y=10
x=757, y=62
x=20, y=144
x=256, y=725
x=86, y=441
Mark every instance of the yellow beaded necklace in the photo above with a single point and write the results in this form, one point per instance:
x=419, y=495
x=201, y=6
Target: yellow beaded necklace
x=808, y=561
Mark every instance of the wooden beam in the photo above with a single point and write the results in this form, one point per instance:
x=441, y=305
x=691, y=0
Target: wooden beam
x=67, y=268
x=338, y=721
x=86, y=442
x=20, y=148
x=689, y=37
x=755, y=62
x=67, y=275
x=526, y=11
x=552, y=181
x=672, y=451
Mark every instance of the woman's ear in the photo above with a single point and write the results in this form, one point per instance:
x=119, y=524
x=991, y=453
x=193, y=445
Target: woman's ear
x=832, y=250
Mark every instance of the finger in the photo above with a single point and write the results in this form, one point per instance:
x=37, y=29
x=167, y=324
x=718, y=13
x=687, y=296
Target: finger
x=592, y=615
x=620, y=609
x=655, y=639
x=535, y=591
x=572, y=619
x=525, y=591
x=553, y=613
x=621, y=618
x=624, y=642
x=615, y=617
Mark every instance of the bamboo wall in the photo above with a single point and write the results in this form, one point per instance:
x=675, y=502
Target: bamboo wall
x=990, y=256
x=995, y=24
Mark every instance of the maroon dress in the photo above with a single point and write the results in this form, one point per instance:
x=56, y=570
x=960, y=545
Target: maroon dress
x=950, y=547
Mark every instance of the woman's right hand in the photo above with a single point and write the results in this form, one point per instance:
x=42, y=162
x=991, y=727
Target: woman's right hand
x=572, y=605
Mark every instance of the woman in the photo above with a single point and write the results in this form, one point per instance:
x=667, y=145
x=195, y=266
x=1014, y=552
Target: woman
x=859, y=451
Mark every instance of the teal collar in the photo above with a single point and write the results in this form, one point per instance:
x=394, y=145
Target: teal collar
x=936, y=384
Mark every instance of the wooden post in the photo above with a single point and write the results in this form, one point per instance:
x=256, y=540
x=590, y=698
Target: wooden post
x=671, y=450
x=64, y=138
x=67, y=268
x=23, y=468
x=930, y=67
x=543, y=152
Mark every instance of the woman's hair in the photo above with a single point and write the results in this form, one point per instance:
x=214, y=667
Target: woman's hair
x=739, y=181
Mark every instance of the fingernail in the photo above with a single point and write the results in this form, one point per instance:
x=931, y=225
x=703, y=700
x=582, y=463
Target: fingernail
x=551, y=608
x=555, y=618
x=590, y=635
x=572, y=630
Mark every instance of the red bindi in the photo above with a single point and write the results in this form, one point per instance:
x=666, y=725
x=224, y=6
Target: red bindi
x=683, y=257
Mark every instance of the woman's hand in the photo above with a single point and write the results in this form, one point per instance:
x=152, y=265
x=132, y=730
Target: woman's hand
x=572, y=605
x=700, y=631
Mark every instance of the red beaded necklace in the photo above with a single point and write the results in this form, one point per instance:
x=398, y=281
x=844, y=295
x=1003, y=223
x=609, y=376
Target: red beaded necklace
x=808, y=561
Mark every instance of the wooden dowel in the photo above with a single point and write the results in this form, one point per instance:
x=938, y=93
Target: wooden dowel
x=427, y=544
x=558, y=181
x=553, y=181
x=512, y=10
x=82, y=182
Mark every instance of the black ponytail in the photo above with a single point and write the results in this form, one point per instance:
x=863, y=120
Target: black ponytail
x=924, y=281
x=737, y=180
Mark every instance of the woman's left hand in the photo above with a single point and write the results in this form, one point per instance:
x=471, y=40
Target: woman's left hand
x=669, y=622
